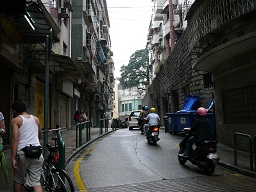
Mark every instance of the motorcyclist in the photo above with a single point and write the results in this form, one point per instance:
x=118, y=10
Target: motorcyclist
x=153, y=119
x=200, y=130
x=141, y=119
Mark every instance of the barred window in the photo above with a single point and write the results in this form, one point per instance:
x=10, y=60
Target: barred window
x=239, y=105
x=207, y=78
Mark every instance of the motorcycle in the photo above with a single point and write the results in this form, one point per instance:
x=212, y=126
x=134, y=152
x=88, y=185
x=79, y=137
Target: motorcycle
x=152, y=133
x=203, y=155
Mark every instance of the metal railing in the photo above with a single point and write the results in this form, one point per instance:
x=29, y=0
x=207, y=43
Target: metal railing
x=87, y=125
x=61, y=145
x=250, y=148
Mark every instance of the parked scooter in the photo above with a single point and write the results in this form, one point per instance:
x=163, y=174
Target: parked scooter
x=152, y=133
x=203, y=155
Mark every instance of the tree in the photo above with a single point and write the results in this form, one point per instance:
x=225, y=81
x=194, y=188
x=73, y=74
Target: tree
x=135, y=74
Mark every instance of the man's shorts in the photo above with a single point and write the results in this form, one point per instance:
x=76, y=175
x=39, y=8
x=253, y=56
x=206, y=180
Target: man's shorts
x=30, y=170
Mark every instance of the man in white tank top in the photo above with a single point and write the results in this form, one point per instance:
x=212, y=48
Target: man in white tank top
x=26, y=131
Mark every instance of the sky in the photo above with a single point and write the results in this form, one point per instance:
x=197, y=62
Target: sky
x=129, y=23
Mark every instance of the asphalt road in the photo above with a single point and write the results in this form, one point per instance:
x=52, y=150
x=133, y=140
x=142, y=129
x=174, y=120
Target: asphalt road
x=124, y=161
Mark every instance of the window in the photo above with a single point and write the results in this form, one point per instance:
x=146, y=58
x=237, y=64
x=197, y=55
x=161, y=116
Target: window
x=207, y=78
x=64, y=48
x=130, y=106
x=122, y=107
x=126, y=106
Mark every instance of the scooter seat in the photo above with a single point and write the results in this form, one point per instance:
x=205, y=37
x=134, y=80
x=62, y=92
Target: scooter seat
x=207, y=142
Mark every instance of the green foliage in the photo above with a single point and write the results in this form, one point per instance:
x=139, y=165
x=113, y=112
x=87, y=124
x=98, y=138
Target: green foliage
x=136, y=72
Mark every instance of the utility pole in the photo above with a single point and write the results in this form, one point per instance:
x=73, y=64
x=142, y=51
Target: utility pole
x=171, y=16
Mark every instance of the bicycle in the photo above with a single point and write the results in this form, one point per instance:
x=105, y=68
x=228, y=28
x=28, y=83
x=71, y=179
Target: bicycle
x=3, y=161
x=52, y=178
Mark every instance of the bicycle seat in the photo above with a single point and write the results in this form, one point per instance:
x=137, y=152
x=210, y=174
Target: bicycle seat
x=52, y=148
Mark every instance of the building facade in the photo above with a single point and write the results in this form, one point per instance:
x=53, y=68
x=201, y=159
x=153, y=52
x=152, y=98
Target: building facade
x=38, y=65
x=212, y=57
x=129, y=100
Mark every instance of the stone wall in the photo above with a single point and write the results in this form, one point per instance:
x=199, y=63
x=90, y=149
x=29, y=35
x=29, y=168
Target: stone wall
x=176, y=80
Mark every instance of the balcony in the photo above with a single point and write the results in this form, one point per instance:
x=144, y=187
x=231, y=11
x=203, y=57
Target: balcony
x=158, y=7
x=100, y=53
x=157, y=17
x=87, y=16
x=85, y=64
x=211, y=60
x=156, y=39
x=93, y=81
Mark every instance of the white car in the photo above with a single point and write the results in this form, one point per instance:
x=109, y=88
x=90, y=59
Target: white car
x=133, y=119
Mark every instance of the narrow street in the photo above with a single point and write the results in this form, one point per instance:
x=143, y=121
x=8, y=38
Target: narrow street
x=124, y=161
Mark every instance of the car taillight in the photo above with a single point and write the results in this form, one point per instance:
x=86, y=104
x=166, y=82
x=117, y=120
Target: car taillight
x=155, y=129
x=130, y=118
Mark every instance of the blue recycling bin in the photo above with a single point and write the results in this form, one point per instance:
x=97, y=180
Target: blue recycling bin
x=172, y=122
x=186, y=116
x=185, y=119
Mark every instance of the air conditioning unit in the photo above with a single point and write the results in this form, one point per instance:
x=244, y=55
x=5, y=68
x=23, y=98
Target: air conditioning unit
x=105, y=29
x=63, y=12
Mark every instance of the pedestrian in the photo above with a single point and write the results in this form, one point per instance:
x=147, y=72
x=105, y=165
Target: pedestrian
x=2, y=124
x=83, y=116
x=26, y=132
x=77, y=117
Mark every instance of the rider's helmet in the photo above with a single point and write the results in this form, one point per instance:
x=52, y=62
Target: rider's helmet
x=143, y=107
x=201, y=111
x=153, y=110
x=146, y=107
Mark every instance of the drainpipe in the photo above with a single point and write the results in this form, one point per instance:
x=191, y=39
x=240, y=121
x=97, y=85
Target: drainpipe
x=167, y=45
x=171, y=16
x=156, y=47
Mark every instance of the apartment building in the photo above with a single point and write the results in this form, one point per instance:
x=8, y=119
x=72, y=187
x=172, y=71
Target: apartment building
x=39, y=66
x=129, y=100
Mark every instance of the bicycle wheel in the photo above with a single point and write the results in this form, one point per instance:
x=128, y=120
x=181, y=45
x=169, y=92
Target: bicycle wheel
x=59, y=181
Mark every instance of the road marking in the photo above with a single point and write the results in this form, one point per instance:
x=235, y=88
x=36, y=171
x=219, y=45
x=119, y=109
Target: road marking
x=77, y=176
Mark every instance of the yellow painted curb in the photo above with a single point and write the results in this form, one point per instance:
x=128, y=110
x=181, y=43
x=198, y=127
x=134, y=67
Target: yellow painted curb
x=77, y=176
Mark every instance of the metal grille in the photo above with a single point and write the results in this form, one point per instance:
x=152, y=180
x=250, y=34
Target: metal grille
x=240, y=105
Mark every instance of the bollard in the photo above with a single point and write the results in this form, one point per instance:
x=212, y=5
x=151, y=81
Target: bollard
x=89, y=125
x=80, y=134
x=106, y=125
x=87, y=131
x=101, y=126
x=77, y=127
x=61, y=145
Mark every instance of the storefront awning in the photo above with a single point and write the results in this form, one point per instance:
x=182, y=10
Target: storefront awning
x=57, y=64
x=39, y=25
x=65, y=64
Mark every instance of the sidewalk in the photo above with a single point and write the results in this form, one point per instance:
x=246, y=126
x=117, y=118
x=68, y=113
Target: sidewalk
x=69, y=138
x=225, y=153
